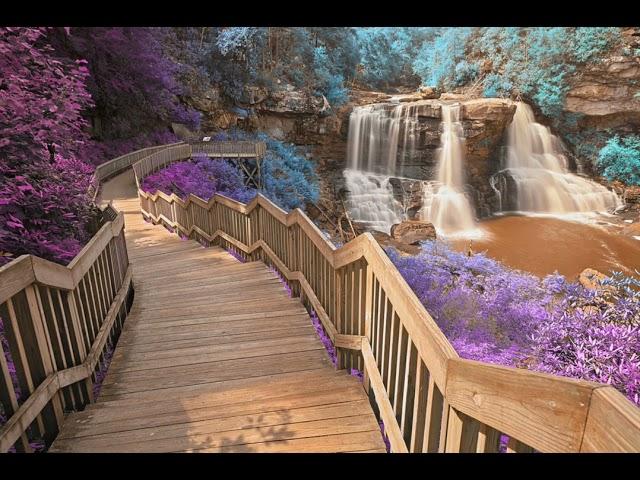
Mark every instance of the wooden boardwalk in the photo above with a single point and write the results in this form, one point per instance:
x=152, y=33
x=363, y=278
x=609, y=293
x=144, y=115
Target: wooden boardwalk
x=215, y=357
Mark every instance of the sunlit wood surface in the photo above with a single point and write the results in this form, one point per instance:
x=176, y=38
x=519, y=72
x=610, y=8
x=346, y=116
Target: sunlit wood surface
x=215, y=357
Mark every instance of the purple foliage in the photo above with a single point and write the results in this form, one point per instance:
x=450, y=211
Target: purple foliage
x=201, y=176
x=100, y=152
x=384, y=436
x=495, y=314
x=133, y=80
x=104, y=367
x=45, y=191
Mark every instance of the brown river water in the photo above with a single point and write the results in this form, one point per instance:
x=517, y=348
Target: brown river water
x=541, y=245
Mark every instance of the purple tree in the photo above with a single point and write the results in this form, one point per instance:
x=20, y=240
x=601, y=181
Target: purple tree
x=44, y=190
x=133, y=83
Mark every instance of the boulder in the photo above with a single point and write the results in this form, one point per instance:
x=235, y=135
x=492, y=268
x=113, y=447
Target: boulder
x=591, y=278
x=631, y=195
x=386, y=241
x=428, y=93
x=412, y=232
x=183, y=132
x=252, y=94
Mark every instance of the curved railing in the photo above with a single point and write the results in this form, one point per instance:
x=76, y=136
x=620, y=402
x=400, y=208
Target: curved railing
x=429, y=399
x=57, y=322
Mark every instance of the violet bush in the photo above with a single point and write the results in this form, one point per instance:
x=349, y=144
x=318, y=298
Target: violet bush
x=201, y=176
x=495, y=314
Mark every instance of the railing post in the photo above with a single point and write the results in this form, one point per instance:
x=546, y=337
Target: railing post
x=339, y=317
x=367, y=317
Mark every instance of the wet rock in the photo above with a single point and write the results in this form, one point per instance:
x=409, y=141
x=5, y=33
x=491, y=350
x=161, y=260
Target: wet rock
x=387, y=241
x=591, y=278
x=183, y=132
x=412, y=232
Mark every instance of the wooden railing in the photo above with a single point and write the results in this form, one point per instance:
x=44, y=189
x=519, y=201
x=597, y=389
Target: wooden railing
x=429, y=399
x=58, y=322
x=245, y=149
x=117, y=165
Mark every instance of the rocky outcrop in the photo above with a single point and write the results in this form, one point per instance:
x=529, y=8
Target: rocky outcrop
x=607, y=89
x=631, y=195
x=485, y=121
x=604, y=99
x=412, y=232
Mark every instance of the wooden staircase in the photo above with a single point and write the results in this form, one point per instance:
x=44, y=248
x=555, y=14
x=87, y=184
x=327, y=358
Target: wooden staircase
x=216, y=357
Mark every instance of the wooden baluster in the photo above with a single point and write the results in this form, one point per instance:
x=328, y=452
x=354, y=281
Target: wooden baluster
x=7, y=391
x=420, y=405
x=338, y=300
x=88, y=307
x=516, y=446
x=13, y=335
x=388, y=351
x=405, y=385
x=488, y=440
x=398, y=375
x=436, y=414
x=52, y=324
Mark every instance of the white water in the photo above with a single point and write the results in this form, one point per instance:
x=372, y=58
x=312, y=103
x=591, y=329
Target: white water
x=375, y=139
x=378, y=134
x=447, y=207
x=542, y=180
x=371, y=200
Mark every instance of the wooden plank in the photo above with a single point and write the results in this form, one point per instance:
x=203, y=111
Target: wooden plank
x=92, y=422
x=544, y=411
x=392, y=428
x=613, y=423
x=186, y=426
x=203, y=441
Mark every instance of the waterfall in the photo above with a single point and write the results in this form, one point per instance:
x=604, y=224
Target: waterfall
x=371, y=200
x=540, y=179
x=448, y=207
x=378, y=135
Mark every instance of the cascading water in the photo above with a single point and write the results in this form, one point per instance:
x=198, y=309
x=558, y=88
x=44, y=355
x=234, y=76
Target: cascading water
x=444, y=203
x=536, y=177
x=378, y=134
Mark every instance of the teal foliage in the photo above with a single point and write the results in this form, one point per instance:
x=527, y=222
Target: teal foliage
x=441, y=61
x=330, y=83
x=290, y=179
x=532, y=62
x=619, y=159
x=589, y=42
x=496, y=86
x=387, y=53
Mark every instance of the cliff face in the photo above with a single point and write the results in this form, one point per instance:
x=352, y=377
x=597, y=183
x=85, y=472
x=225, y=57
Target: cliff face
x=604, y=99
x=605, y=93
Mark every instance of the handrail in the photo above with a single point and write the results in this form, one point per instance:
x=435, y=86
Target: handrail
x=428, y=398
x=58, y=321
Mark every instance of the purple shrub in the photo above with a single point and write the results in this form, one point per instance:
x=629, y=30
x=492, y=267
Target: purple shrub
x=45, y=191
x=495, y=314
x=201, y=176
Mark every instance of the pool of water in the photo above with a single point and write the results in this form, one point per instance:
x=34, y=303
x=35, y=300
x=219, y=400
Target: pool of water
x=542, y=245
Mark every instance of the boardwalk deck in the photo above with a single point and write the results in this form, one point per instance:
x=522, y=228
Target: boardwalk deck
x=215, y=357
